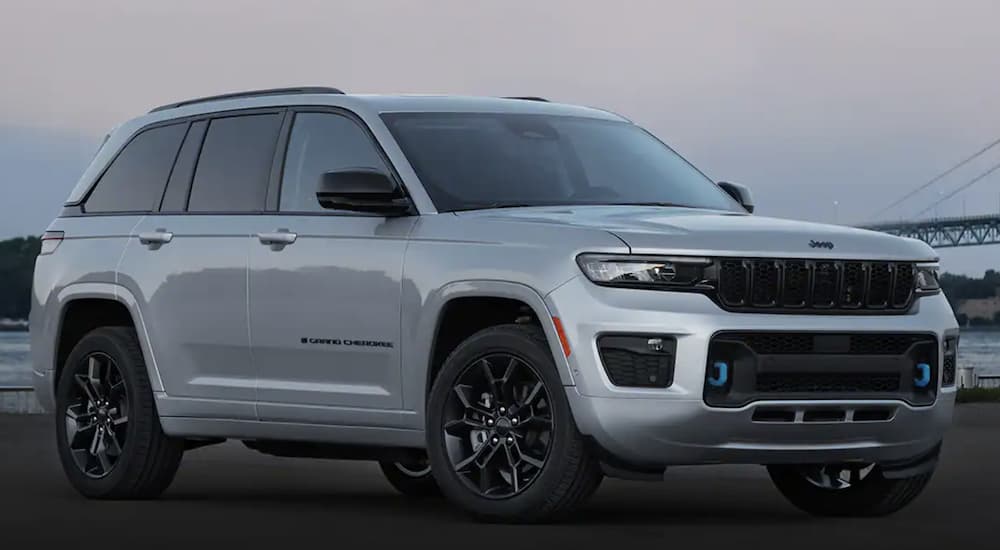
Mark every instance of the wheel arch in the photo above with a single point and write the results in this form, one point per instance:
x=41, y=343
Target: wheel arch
x=432, y=343
x=85, y=306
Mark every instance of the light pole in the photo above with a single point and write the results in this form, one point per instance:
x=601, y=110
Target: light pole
x=836, y=212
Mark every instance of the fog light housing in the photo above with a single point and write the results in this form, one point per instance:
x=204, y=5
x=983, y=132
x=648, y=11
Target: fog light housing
x=638, y=361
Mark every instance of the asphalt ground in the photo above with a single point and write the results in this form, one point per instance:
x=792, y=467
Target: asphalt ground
x=230, y=496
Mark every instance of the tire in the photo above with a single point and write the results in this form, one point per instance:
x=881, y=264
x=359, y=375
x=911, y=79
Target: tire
x=534, y=489
x=874, y=495
x=143, y=465
x=412, y=480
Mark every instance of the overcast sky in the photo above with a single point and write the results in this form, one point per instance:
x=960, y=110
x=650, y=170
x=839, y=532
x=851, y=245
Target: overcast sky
x=807, y=102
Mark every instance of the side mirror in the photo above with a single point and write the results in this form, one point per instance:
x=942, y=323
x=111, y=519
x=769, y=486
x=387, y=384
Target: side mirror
x=362, y=190
x=739, y=192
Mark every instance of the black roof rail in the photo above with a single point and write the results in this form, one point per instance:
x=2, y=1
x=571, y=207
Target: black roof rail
x=252, y=93
x=528, y=98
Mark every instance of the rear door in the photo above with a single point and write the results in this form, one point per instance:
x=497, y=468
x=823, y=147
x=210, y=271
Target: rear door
x=325, y=288
x=187, y=264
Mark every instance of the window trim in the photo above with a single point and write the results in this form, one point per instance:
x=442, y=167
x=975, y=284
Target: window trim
x=279, y=166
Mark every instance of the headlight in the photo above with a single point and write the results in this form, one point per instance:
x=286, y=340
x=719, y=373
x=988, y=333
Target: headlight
x=927, y=278
x=644, y=271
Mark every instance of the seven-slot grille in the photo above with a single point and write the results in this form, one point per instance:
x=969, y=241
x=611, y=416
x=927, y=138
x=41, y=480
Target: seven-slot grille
x=825, y=285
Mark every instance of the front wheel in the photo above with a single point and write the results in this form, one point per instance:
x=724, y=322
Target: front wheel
x=848, y=490
x=501, y=437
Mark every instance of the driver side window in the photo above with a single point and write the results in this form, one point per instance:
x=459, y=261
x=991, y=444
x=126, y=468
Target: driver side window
x=319, y=143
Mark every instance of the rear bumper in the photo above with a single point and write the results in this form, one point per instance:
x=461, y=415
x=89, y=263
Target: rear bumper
x=674, y=425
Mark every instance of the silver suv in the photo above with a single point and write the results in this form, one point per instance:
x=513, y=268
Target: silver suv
x=499, y=299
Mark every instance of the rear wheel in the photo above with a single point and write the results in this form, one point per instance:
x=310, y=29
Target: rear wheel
x=108, y=434
x=846, y=490
x=413, y=478
x=501, y=437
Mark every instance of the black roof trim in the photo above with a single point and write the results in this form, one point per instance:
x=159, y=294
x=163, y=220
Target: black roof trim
x=252, y=93
x=528, y=98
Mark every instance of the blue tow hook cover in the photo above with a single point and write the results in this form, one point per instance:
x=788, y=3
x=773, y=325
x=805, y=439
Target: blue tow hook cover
x=721, y=374
x=923, y=377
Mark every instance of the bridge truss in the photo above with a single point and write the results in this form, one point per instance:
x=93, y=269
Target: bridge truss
x=947, y=232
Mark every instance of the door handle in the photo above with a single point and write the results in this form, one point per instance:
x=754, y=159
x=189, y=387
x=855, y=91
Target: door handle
x=281, y=237
x=160, y=236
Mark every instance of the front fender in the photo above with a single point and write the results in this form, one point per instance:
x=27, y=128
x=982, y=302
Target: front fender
x=419, y=336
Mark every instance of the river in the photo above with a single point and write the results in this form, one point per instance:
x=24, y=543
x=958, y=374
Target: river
x=978, y=348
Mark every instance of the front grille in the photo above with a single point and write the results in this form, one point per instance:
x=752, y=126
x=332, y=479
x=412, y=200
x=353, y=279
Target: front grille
x=836, y=286
x=744, y=367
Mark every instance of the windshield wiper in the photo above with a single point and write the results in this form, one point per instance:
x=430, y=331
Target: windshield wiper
x=492, y=205
x=673, y=204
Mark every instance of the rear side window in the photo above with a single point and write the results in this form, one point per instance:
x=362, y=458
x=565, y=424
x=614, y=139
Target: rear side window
x=235, y=164
x=135, y=180
x=319, y=143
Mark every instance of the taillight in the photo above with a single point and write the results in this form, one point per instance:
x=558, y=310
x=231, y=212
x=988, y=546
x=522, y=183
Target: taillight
x=50, y=242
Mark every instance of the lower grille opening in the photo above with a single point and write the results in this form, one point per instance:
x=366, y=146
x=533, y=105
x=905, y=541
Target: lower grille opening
x=827, y=382
x=872, y=415
x=824, y=415
x=798, y=366
x=773, y=415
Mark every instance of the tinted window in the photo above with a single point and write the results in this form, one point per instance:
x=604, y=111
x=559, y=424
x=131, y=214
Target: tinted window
x=134, y=182
x=322, y=142
x=471, y=160
x=235, y=164
x=179, y=184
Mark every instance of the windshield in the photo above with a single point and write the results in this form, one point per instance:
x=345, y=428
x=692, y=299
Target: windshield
x=468, y=161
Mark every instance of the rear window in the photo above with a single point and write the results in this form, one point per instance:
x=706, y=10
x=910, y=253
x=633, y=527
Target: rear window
x=235, y=164
x=135, y=179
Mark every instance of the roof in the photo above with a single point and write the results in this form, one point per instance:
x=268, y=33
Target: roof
x=368, y=107
x=373, y=103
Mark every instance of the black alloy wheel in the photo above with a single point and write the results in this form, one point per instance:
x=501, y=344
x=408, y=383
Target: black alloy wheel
x=109, y=436
x=501, y=437
x=498, y=425
x=97, y=416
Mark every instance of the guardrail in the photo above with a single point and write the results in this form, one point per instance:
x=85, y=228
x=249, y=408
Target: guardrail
x=988, y=381
x=19, y=400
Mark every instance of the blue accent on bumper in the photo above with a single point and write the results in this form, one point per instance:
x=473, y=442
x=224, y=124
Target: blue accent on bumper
x=721, y=374
x=923, y=377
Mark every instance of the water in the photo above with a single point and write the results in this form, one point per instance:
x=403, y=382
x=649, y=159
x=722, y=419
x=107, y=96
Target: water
x=15, y=365
x=978, y=348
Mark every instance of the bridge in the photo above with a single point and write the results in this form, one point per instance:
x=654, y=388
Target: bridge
x=946, y=232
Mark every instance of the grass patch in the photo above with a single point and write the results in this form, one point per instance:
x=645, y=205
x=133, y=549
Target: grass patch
x=979, y=395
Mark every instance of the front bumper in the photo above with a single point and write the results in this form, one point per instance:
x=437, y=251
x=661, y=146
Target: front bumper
x=673, y=425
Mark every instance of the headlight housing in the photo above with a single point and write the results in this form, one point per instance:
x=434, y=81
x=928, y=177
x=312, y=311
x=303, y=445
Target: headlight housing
x=927, y=279
x=666, y=272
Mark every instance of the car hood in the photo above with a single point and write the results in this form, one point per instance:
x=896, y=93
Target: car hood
x=671, y=230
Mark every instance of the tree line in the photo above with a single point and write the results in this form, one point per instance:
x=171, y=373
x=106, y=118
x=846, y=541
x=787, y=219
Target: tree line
x=961, y=287
x=17, y=262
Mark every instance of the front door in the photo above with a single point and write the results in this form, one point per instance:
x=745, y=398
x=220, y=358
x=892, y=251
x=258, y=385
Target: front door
x=325, y=288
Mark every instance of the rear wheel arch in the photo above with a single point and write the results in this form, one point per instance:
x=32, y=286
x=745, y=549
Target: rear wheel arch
x=86, y=311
